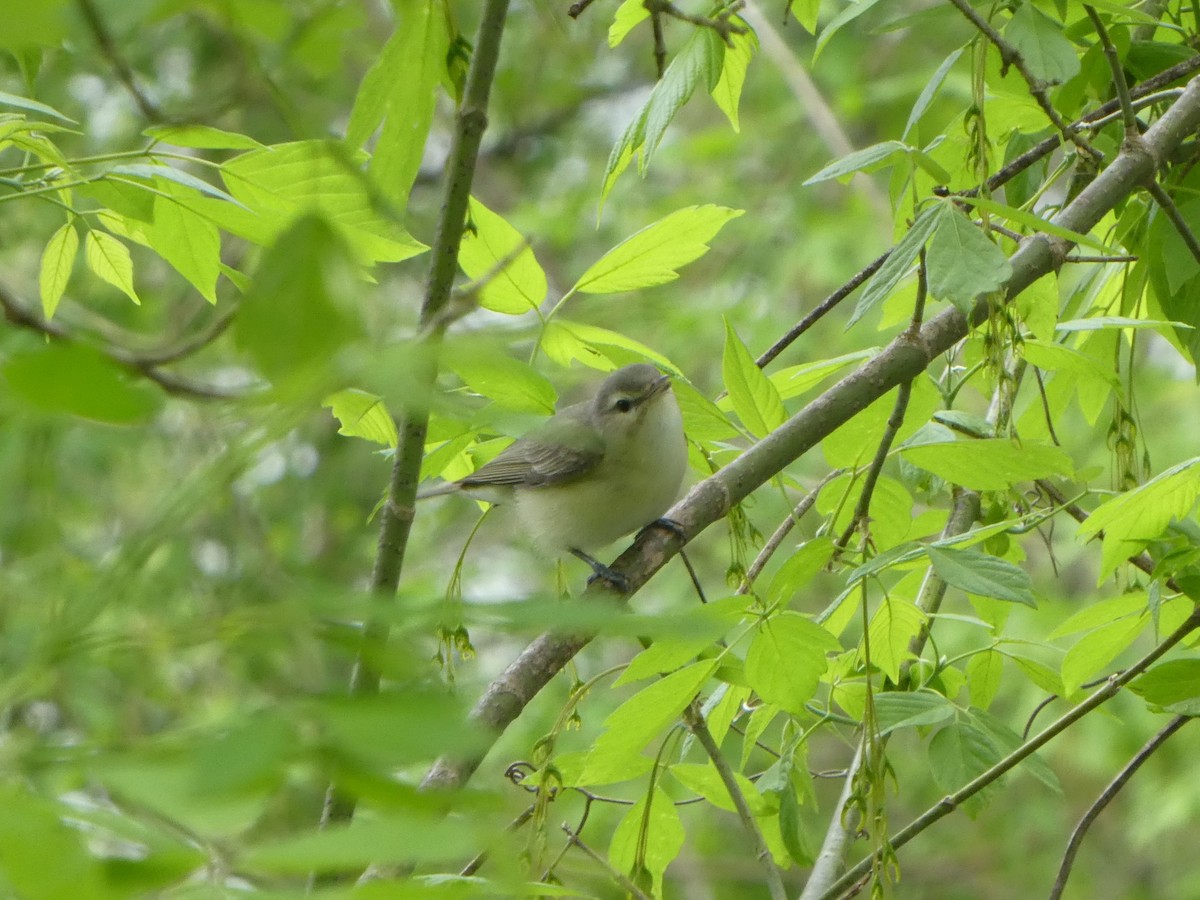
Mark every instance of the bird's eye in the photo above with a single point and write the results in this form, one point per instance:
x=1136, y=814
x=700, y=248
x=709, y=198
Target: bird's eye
x=624, y=404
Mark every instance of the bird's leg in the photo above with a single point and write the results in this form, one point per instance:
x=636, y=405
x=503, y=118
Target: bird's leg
x=616, y=579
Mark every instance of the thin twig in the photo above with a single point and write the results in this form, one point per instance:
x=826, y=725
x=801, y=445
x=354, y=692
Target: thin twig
x=1106, y=797
x=784, y=529
x=951, y=802
x=147, y=365
x=399, y=510
x=722, y=24
x=1010, y=56
x=1128, y=115
x=694, y=720
x=619, y=877
x=475, y=864
x=1163, y=199
x=108, y=48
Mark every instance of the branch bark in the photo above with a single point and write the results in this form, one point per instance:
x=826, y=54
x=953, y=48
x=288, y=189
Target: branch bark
x=902, y=360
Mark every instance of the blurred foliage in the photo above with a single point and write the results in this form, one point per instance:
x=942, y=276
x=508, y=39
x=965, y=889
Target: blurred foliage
x=214, y=221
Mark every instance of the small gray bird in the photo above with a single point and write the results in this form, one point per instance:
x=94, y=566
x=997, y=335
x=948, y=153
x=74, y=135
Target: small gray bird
x=594, y=471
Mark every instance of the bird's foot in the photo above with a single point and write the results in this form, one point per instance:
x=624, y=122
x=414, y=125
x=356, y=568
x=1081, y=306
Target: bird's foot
x=602, y=572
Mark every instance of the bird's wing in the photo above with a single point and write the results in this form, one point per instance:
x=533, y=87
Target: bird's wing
x=561, y=450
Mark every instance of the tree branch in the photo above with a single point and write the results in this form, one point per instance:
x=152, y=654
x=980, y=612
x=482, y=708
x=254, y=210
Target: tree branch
x=694, y=720
x=398, y=511
x=902, y=360
x=1106, y=797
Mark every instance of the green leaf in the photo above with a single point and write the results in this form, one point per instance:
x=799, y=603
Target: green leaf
x=1056, y=357
x=653, y=255
x=712, y=621
x=983, y=574
x=983, y=677
x=284, y=182
x=43, y=857
x=639, y=720
x=400, y=91
x=521, y=284
x=289, y=322
x=7, y=99
x=728, y=91
x=390, y=838
x=1102, y=613
x=1036, y=222
x=866, y=160
x=201, y=137
x=648, y=838
x=754, y=398
x=1042, y=44
x=957, y=754
x=363, y=415
x=796, y=380
x=79, y=380
x=156, y=173
x=892, y=629
x=185, y=239
x=847, y=15
x=58, y=259
x=930, y=91
x=703, y=779
x=1173, y=686
x=962, y=263
x=896, y=266
x=109, y=259
x=991, y=464
x=1097, y=649
x=699, y=62
x=897, y=709
x=1007, y=741
x=509, y=382
x=625, y=19
x=1133, y=519
x=799, y=568
x=787, y=659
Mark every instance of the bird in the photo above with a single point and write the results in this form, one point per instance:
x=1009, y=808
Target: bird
x=594, y=471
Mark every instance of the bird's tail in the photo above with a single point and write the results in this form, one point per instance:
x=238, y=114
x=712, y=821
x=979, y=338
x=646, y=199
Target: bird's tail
x=438, y=490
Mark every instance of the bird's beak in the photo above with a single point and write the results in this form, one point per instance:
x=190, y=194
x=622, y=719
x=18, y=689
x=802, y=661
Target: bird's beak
x=657, y=386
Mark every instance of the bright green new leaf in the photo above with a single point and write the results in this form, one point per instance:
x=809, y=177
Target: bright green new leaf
x=983, y=677
x=362, y=415
x=959, y=752
x=496, y=253
x=58, y=259
x=185, y=239
x=1050, y=56
x=698, y=63
x=728, y=91
x=847, y=15
x=1102, y=612
x=1055, y=357
x=625, y=19
x=799, y=568
x=43, y=856
x=653, y=255
x=1133, y=519
x=892, y=628
x=1097, y=649
x=983, y=574
x=712, y=621
x=867, y=159
x=81, y=381
x=755, y=399
x=156, y=174
x=1036, y=222
x=639, y=720
x=796, y=380
x=896, y=266
x=647, y=840
x=787, y=659
x=509, y=382
x=109, y=259
x=1173, y=685
x=962, y=263
x=991, y=464
x=930, y=91
x=286, y=181
x=201, y=137
x=400, y=91
x=703, y=779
